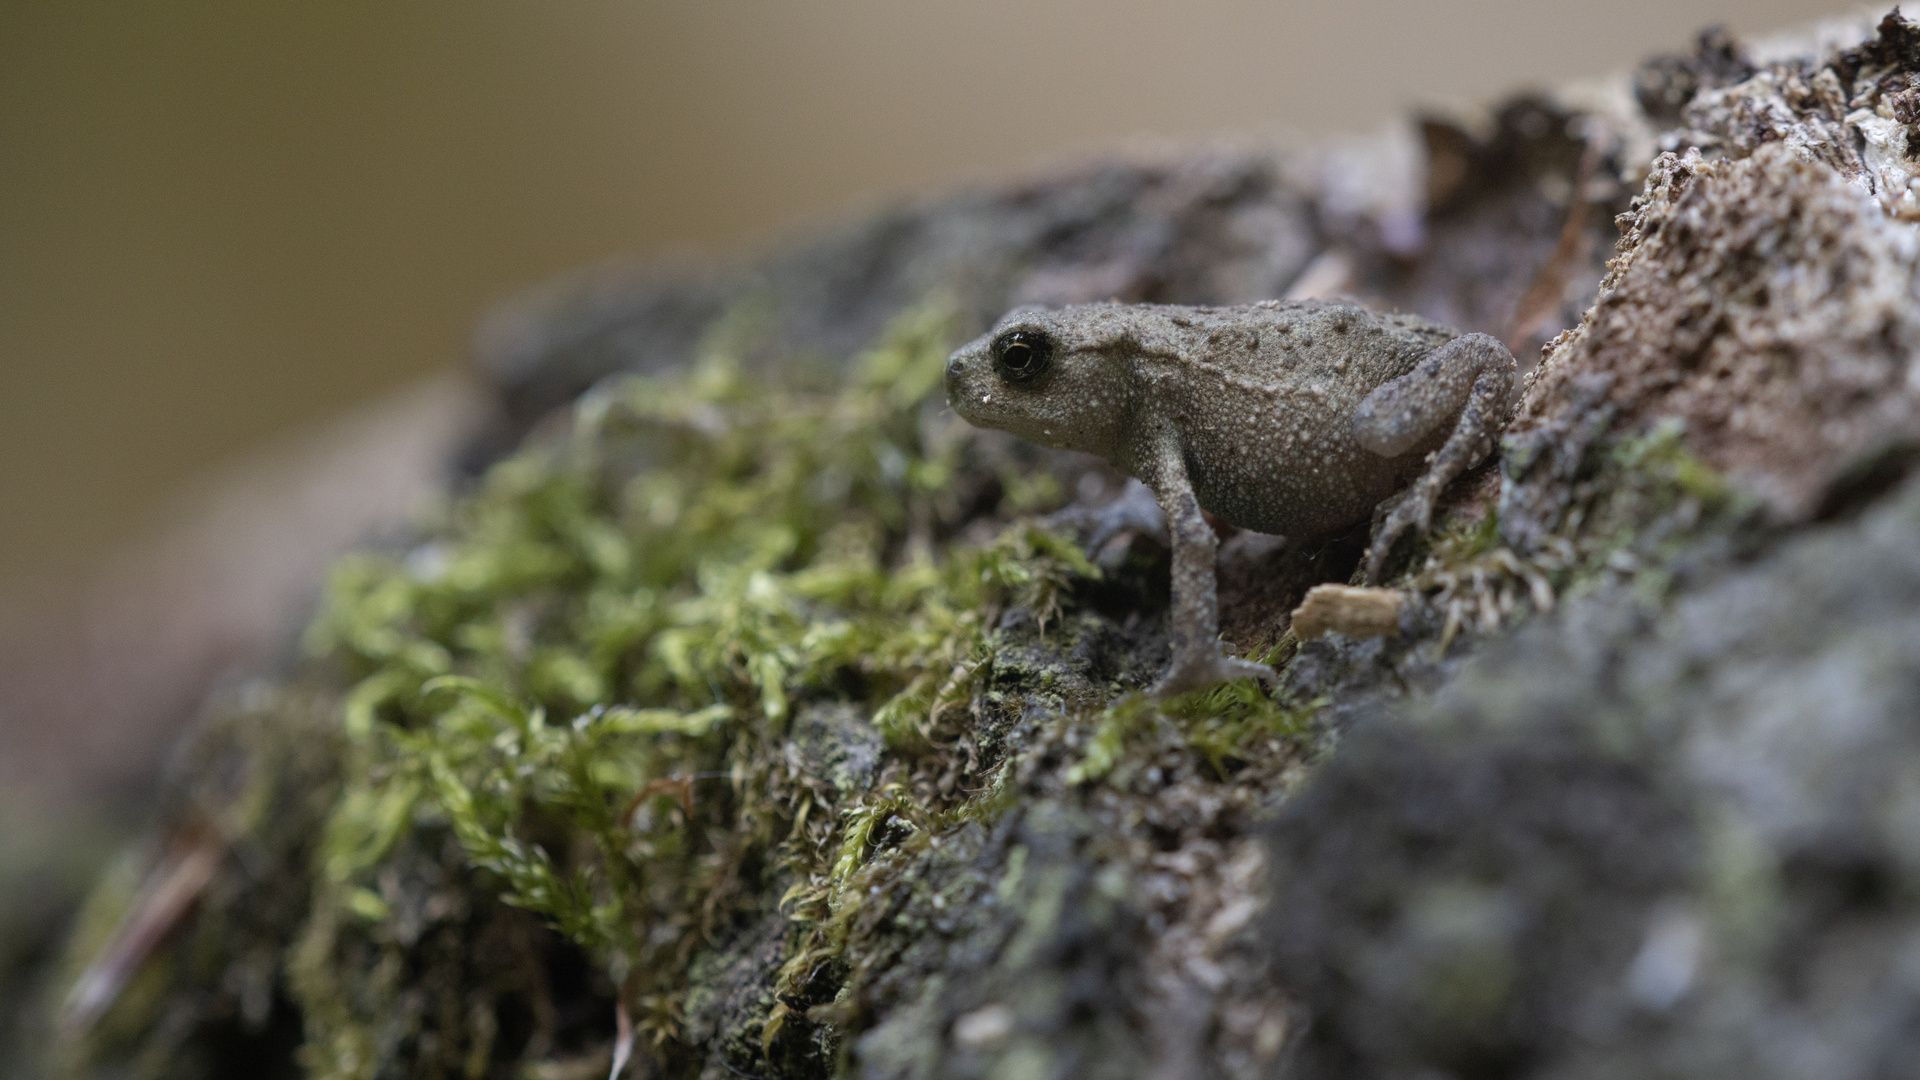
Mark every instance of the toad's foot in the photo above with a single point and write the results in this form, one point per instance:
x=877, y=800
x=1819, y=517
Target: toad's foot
x=1413, y=512
x=1199, y=668
x=1470, y=381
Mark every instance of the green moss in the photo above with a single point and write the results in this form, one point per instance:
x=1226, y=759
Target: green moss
x=586, y=674
x=1637, y=504
x=729, y=681
x=708, y=682
x=1225, y=725
x=1650, y=499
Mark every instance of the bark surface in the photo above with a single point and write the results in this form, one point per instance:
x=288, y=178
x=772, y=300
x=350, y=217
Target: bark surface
x=741, y=722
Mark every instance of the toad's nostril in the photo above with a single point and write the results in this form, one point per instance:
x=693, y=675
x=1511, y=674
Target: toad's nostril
x=954, y=367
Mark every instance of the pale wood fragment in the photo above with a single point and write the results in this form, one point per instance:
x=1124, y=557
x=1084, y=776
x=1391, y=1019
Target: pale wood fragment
x=1348, y=609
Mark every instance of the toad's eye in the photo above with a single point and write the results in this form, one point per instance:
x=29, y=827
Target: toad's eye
x=1022, y=355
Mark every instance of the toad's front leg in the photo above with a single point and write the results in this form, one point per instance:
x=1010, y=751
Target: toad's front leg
x=1198, y=659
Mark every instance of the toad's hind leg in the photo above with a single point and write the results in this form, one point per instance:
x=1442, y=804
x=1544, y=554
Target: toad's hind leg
x=1470, y=382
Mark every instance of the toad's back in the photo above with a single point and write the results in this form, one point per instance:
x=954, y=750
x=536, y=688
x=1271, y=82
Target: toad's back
x=1261, y=398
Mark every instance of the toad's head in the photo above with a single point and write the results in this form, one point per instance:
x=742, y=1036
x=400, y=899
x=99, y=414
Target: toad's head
x=1058, y=378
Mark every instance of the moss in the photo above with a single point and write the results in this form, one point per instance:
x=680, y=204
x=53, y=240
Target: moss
x=743, y=701
x=669, y=680
x=1632, y=508
x=750, y=700
x=725, y=683
x=1225, y=725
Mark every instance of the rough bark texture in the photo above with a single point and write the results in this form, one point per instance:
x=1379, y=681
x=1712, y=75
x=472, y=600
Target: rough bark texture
x=1634, y=791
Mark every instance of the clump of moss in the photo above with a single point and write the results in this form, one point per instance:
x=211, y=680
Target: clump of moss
x=1633, y=505
x=1225, y=725
x=587, y=675
x=721, y=673
x=689, y=702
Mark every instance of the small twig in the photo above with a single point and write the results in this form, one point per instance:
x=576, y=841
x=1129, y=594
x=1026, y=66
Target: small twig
x=622, y=1028
x=170, y=891
x=680, y=787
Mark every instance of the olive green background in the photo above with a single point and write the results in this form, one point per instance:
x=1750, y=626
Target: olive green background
x=221, y=222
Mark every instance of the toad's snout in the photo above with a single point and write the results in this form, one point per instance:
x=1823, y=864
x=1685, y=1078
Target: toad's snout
x=957, y=376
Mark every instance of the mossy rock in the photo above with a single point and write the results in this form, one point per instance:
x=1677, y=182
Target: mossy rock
x=751, y=718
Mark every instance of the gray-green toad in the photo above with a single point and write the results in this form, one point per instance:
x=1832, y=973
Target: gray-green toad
x=1295, y=418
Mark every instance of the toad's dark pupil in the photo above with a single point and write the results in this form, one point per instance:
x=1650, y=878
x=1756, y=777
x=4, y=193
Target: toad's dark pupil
x=1021, y=356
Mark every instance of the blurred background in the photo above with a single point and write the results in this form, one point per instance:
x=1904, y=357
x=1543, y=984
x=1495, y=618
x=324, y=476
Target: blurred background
x=237, y=238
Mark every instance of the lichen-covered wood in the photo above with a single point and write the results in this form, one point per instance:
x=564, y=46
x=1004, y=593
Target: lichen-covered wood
x=750, y=719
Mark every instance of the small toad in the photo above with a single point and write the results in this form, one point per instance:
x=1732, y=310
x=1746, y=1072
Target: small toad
x=1295, y=418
